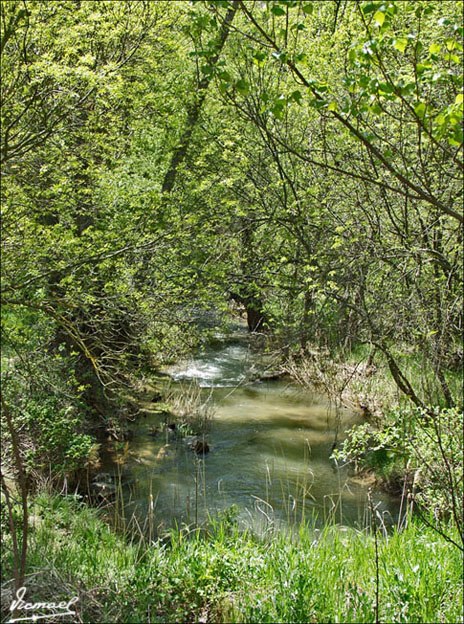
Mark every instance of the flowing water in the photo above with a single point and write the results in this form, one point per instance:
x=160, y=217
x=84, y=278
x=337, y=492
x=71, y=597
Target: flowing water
x=269, y=460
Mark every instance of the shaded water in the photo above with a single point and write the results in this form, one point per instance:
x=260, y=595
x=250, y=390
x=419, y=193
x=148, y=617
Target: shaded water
x=270, y=446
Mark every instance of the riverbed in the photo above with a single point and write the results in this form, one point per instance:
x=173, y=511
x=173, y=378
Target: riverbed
x=269, y=463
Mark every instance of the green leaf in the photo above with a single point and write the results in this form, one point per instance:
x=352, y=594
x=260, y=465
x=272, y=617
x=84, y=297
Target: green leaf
x=407, y=89
x=376, y=109
x=332, y=106
x=435, y=48
x=452, y=57
x=458, y=136
x=307, y=9
x=379, y=17
x=369, y=8
x=278, y=109
x=224, y=76
x=296, y=96
x=419, y=109
x=459, y=98
x=277, y=10
x=421, y=67
x=400, y=44
x=242, y=87
x=386, y=87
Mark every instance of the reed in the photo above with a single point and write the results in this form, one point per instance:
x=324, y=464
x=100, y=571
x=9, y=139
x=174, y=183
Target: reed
x=191, y=407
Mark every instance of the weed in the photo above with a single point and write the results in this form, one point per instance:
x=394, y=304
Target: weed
x=224, y=575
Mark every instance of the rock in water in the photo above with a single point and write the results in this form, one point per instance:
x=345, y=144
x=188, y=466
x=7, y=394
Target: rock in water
x=200, y=447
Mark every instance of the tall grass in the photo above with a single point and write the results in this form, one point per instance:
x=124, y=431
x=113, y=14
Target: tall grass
x=189, y=406
x=227, y=575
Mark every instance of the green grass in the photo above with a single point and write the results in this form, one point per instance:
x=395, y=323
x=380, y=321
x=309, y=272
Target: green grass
x=230, y=576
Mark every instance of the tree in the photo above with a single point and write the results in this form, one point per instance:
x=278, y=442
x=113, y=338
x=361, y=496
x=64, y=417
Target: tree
x=383, y=115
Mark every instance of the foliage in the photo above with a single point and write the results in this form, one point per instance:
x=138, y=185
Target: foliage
x=45, y=399
x=426, y=449
x=337, y=222
x=300, y=159
x=435, y=445
x=233, y=577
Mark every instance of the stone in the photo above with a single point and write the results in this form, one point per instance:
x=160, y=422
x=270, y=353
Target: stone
x=201, y=447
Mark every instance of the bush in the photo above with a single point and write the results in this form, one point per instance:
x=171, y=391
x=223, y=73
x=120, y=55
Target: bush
x=47, y=411
x=429, y=442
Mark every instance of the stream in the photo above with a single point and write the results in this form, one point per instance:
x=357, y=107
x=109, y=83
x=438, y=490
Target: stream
x=268, y=463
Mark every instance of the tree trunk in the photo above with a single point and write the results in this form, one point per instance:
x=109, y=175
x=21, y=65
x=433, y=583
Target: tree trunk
x=180, y=152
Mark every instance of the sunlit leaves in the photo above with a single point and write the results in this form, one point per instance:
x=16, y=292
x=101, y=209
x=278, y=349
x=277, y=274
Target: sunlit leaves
x=307, y=8
x=420, y=109
x=453, y=58
x=400, y=44
x=379, y=18
x=452, y=44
